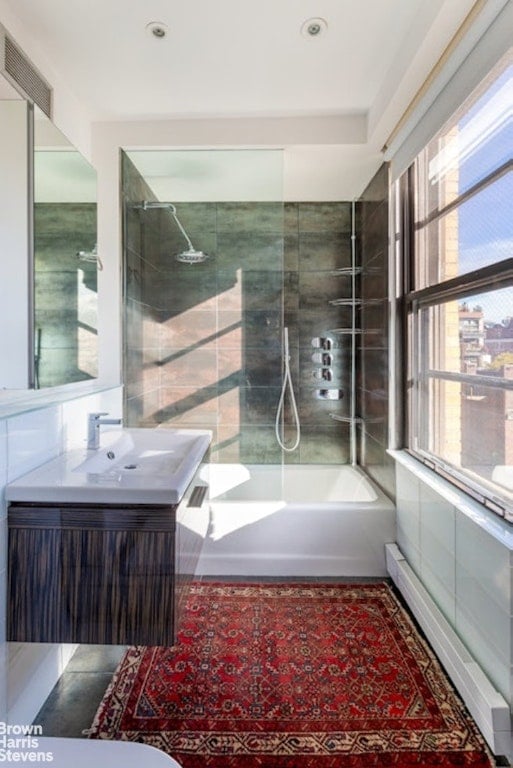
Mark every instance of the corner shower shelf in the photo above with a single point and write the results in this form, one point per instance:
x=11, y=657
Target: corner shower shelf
x=346, y=419
x=357, y=419
x=345, y=302
x=354, y=303
x=349, y=331
x=349, y=271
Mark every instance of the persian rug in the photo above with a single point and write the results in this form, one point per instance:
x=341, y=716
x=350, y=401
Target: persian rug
x=292, y=675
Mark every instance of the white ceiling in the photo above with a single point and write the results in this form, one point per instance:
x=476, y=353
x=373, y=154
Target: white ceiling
x=329, y=101
x=232, y=58
x=217, y=175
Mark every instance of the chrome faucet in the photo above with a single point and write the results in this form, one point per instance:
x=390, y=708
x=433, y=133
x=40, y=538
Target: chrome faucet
x=94, y=422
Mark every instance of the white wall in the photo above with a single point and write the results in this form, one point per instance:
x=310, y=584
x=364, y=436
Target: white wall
x=467, y=569
x=463, y=555
x=14, y=234
x=68, y=114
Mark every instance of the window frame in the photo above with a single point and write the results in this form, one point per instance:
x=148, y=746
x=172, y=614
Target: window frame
x=415, y=301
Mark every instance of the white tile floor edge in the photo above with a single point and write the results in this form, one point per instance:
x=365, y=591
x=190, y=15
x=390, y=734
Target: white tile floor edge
x=486, y=705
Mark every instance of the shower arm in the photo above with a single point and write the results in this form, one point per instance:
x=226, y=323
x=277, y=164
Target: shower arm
x=180, y=227
x=147, y=205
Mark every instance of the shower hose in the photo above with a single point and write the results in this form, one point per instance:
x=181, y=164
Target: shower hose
x=287, y=383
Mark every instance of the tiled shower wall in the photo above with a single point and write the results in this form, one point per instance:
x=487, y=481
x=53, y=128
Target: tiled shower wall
x=372, y=359
x=141, y=375
x=65, y=293
x=318, y=236
x=203, y=343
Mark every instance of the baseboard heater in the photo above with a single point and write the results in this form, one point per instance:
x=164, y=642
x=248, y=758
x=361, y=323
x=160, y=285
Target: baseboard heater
x=486, y=705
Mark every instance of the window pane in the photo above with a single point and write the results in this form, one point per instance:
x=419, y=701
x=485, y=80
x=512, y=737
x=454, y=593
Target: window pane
x=455, y=236
x=475, y=142
x=477, y=233
x=460, y=361
x=471, y=335
x=471, y=428
x=468, y=425
x=486, y=132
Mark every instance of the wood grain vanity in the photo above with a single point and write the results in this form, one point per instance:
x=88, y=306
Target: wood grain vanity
x=98, y=573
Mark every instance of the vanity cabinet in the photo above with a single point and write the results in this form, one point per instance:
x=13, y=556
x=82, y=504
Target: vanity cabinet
x=109, y=574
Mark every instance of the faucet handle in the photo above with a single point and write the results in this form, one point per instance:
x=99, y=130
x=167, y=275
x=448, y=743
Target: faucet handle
x=97, y=414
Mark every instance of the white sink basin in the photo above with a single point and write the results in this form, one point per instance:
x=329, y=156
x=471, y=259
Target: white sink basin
x=132, y=466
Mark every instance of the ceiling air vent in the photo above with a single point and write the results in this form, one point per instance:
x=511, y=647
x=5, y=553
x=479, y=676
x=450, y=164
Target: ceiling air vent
x=22, y=74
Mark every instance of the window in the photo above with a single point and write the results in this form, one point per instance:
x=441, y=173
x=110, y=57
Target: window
x=458, y=196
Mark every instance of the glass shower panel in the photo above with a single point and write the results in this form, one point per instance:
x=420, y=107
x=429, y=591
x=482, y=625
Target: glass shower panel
x=203, y=341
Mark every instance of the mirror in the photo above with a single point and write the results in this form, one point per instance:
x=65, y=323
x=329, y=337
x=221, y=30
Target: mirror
x=66, y=262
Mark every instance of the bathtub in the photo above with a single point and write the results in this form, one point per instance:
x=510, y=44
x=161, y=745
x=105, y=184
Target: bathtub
x=295, y=521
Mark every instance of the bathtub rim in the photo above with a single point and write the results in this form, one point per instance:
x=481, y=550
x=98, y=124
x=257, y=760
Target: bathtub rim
x=339, y=504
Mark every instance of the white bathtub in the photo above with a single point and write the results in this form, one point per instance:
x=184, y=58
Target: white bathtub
x=295, y=520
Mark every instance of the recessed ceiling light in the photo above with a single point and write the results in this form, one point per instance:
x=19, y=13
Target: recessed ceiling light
x=157, y=29
x=314, y=28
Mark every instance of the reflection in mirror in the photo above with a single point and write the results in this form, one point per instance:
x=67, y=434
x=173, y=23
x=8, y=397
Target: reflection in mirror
x=66, y=262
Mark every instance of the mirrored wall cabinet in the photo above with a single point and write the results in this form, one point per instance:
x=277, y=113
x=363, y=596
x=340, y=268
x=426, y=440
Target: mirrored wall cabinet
x=66, y=261
x=48, y=254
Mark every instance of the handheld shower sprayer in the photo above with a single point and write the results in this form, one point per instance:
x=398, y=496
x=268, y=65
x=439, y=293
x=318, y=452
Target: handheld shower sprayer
x=191, y=255
x=287, y=385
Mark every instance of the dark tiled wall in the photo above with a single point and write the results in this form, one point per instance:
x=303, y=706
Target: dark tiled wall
x=317, y=243
x=372, y=360
x=220, y=327
x=141, y=330
x=204, y=342
x=65, y=293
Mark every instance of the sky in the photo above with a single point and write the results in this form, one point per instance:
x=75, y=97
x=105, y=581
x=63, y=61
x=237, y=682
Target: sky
x=486, y=220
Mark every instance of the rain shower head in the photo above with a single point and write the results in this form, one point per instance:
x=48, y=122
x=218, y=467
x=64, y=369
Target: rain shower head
x=189, y=256
x=91, y=256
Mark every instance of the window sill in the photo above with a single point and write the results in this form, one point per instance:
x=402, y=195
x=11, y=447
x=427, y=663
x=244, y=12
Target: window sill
x=495, y=526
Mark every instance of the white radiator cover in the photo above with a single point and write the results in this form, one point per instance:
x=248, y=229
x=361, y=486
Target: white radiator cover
x=486, y=705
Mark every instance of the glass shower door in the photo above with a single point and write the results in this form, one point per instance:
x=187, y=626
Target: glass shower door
x=203, y=342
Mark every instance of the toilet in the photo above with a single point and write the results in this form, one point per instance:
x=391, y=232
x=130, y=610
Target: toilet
x=84, y=753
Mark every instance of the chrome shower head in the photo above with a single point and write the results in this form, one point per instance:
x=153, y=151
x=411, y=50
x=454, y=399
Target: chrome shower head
x=191, y=255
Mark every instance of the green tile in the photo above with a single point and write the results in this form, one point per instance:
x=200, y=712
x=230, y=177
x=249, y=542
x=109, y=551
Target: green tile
x=325, y=217
x=262, y=289
x=249, y=250
x=262, y=329
x=317, y=289
x=325, y=444
x=319, y=252
x=250, y=217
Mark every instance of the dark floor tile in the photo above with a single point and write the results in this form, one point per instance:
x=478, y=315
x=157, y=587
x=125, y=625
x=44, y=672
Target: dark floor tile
x=71, y=706
x=96, y=658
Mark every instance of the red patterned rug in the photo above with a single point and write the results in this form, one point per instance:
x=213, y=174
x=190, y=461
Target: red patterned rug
x=292, y=676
